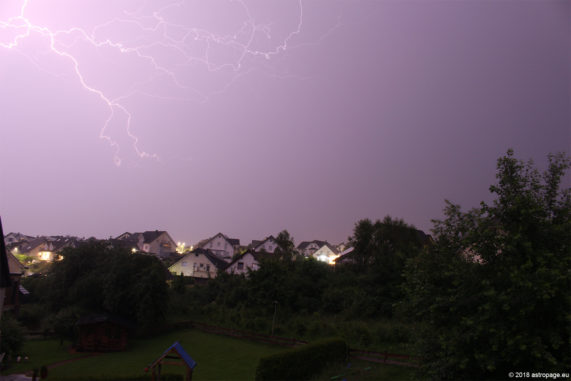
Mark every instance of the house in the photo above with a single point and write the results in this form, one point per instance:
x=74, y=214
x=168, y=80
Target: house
x=221, y=245
x=39, y=248
x=102, y=333
x=326, y=253
x=249, y=261
x=269, y=245
x=12, y=238
x=199, y=263
x=346, y=257
x=307, y=248
x=157, y=242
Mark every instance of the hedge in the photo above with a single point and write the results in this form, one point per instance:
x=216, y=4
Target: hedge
x=303, y=362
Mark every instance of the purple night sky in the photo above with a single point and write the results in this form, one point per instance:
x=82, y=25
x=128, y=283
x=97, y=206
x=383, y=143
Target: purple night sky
x=249, y=117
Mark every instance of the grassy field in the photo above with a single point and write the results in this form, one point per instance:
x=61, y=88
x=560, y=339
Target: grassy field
x=43, y=352
x=218, y=358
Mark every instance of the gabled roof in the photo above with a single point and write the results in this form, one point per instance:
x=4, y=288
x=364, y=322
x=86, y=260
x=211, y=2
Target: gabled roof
x=179, y=350
x=241, y=257
x=125, y=235
x=331, y=247
x=219, y=263
x=62, y=243
x=231, y=241
x=14, y=265
x=260, y=243
x=29, y=246
x=151, y=235
x=305, y=244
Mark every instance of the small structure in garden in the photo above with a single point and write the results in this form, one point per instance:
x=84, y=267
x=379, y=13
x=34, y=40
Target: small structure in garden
x=102, y=333
x=173, y=355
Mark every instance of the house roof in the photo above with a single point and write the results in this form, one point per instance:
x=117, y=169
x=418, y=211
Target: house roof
x=125, y=235
x=305, y=244
x=29, y=246
x=331, y=247
x=219, y=263
x=257, y=256
x=4, y=269
x=231, y=241
x=151, y=235
x=260, y=243
x=14, y=265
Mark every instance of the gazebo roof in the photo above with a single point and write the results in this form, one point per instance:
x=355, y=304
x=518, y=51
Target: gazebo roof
x=178, y=350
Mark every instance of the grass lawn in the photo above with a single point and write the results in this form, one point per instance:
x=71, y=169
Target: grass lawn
x=218, y=358
x=359, y=370
x=42, y=352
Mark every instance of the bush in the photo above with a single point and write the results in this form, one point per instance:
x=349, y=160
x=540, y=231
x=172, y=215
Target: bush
x=303, y=362
x=12, y=335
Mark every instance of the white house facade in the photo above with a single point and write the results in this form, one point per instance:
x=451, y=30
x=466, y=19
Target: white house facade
x=269, y=245
x=221, y=245
x=243, y=265
x=326, y=254
x=199, y=263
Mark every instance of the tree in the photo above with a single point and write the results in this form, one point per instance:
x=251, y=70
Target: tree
x=96, y=278
x=381, y=250
x=492, y=293
x=286, y=247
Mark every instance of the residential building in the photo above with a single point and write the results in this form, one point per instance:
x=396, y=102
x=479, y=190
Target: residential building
x=249, y=261
x=221, y=245
x=199, y=263
x=157, y=242
x=268, y=245
x=307, y=248
x=326, y=253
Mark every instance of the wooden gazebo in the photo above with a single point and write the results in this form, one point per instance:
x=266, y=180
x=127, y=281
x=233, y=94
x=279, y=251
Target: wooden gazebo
x=173, y=355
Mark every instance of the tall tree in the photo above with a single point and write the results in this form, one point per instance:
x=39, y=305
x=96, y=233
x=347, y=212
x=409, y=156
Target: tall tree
x=381, y=250
x=286, y=247
x=492, y=295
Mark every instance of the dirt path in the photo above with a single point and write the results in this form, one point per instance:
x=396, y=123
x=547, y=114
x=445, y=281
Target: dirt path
x=59, y=363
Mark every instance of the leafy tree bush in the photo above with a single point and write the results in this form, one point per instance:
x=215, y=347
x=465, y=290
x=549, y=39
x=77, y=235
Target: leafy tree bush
x=492, y=294
x=12, y=337
x=381, y=250
x=96, y=278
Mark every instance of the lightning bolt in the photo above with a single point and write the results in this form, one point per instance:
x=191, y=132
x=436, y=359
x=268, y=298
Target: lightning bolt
x=156, y=34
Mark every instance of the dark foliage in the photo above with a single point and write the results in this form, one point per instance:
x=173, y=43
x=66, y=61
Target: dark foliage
x=492, y=295
x=12, y=337
x=95, y=278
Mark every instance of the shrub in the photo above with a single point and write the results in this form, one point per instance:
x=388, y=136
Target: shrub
x=12, y=335
x=303, y=362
